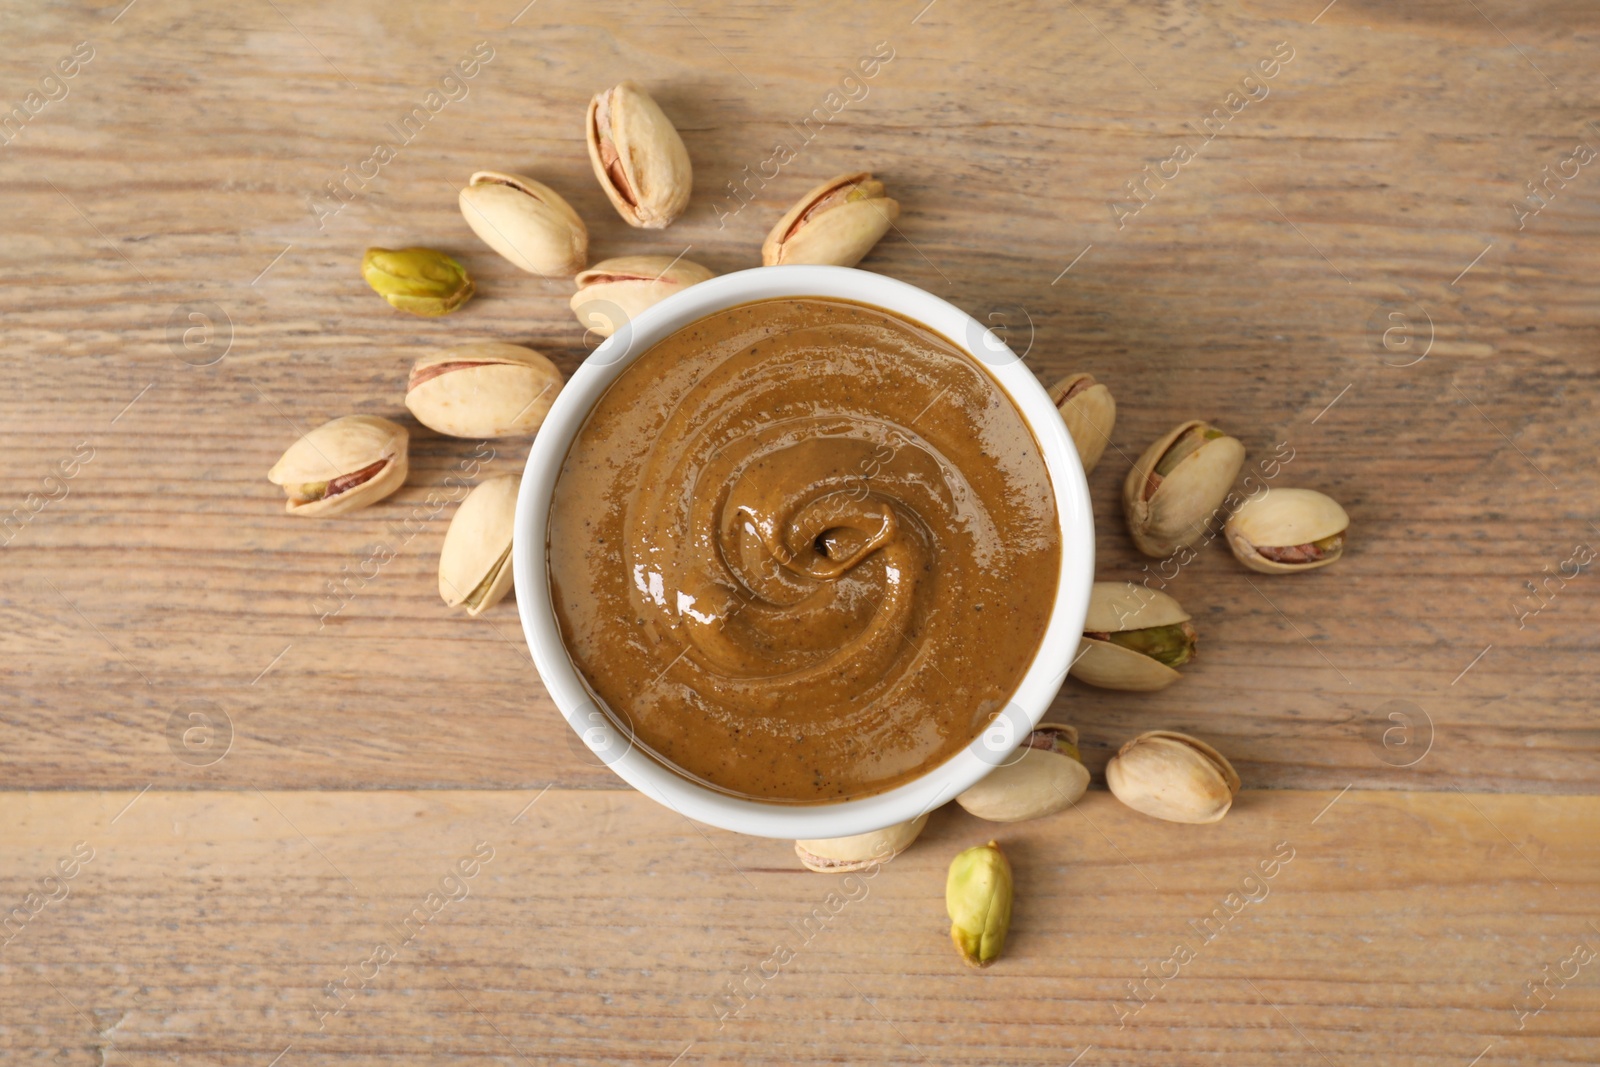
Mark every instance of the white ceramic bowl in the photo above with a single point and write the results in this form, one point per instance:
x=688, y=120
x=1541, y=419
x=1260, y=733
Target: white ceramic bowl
x=579, y=706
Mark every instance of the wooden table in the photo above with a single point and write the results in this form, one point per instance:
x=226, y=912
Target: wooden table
x=1344, y=262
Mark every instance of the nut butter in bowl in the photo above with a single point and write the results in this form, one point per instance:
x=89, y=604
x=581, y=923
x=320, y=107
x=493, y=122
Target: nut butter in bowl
x=790, y=558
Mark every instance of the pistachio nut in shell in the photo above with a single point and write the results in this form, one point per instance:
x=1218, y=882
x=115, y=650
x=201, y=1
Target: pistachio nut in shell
x=487, y=389
x=342, y=465
x=620, y=288
x=1178, y=486
x=977, y=897
x=1287, y=530
x=527, y=222
x=475, y=562
x=840, y=855
x=1090, y=413
x=1133, y=639
x=638, y=157
x=835, y=224
x=1172, y=776
x=1046, y=777
x=422, y=281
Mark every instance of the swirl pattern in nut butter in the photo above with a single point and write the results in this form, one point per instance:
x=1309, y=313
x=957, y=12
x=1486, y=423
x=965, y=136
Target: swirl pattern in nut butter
x=806, y=549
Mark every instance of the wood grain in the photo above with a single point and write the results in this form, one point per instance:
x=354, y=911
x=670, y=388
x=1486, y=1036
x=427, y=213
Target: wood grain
x=1339, y=269
x=1400, y=927
x=1252, y=289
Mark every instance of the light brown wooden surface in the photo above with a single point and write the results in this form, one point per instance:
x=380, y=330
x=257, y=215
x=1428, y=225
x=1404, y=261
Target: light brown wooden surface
x=605, y=929
x=1284, y=284
x=1253, y=290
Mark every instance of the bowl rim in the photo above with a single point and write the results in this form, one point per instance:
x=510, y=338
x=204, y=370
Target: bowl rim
x=578, y=705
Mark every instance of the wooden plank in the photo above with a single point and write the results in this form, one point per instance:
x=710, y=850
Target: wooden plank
x=1374, y=179
x=1393, y=928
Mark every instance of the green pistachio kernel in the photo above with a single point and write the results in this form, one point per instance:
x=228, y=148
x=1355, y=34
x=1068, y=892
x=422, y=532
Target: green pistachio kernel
x=1173, y=645
x=977, y=896
x=419, y=280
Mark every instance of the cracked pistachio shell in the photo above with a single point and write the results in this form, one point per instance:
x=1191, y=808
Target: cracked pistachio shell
x=1287, y=519
x=977, y=897
x=489, y=389
x=419, y=280
x=475, y=562
x=1173, y=776
x=1116, y=607
x=1169, y=509
x=638, y=157
x=840, y=855
x=1047, y=777
x=343, y=465
x=835, y=224
x=1090, y=413
x=527, y=222
x=623, y=287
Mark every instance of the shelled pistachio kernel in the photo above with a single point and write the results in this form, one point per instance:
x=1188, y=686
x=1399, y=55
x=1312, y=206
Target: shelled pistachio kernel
x=419, y=280
x=978, y=897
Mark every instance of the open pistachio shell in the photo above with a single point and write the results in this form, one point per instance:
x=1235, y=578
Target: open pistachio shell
x=488, y=389
x=1172, y=776
x=638, y=157
x=527, y=222
x=1047, y=777
x=839, y=855
x=475, y=562
x=1090, y=413
x=620, y=288
x=835, y=223
x=1100, y=663
x=342, y=465
x=1178, y=486
x=1117, y=608
x=1288, y=530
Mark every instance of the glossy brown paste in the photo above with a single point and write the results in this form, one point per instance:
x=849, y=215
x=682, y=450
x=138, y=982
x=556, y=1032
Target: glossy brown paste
x=806, y=549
